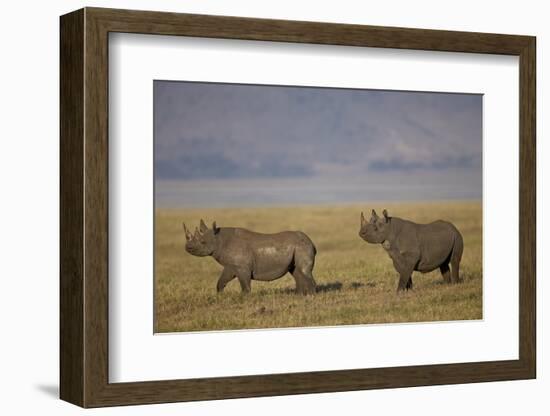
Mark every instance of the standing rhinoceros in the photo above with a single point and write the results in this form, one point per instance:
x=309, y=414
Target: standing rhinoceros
x=248, y=255
x=411, y=246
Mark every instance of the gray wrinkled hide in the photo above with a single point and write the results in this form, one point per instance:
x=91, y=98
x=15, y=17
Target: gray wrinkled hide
x=248, y=255
x=420, y=247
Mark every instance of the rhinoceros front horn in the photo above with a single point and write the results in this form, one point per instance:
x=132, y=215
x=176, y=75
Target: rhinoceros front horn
x=362, y=219
x=187, y=233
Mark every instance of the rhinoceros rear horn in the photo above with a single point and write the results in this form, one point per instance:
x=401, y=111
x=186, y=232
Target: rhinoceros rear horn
x=374, y=215
x=385, y=214
x=203, y=226
x=215, y=228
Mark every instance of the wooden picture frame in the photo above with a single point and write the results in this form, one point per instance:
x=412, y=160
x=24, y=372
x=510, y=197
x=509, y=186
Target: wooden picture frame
x=84, y=207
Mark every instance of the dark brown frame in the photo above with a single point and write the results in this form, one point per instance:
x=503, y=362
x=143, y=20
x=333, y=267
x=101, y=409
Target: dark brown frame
x=84, y=207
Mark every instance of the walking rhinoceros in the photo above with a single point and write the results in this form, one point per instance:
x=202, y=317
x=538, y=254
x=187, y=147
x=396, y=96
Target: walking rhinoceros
x=411, y=246
x=248, y=255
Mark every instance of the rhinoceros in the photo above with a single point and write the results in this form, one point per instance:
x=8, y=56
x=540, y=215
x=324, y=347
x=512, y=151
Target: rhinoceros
x=416, y=247
x=249, y=255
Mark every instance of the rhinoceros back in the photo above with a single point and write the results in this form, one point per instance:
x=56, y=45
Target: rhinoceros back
x=270, y=256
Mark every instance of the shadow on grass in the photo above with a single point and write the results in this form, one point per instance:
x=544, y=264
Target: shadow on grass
x=448, y=284
x=359, y=285
x=329, y=287
x=321, y=288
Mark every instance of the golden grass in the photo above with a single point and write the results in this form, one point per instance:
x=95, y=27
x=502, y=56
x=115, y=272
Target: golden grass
x=356, y=281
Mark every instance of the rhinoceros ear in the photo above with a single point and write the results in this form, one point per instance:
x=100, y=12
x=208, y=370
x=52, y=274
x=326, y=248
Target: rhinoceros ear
x=215, y=228
x=203, y=226
x=386, y=216
x=187, y=233
x=362, y=219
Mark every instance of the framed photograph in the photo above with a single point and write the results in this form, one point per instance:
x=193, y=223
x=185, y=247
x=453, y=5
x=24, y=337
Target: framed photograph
x=255, y=207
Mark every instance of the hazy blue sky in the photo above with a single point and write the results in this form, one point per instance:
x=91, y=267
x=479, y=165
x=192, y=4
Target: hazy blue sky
x=207, y=133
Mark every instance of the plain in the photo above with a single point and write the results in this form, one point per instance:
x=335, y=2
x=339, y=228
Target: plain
x=356, y=281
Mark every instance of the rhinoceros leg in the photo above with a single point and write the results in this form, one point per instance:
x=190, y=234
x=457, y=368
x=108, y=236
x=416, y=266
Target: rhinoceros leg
x=454, y=271
x=445, y=272
x=404, y=279
x=302, y=271
x=245, y=277
x=299, y=281
x=404, y=264
x=305, y=285
x=456, y=256
x=226, y=276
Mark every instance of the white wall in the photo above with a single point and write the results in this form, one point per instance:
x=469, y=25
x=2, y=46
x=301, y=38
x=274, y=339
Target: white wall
x=29, y=208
